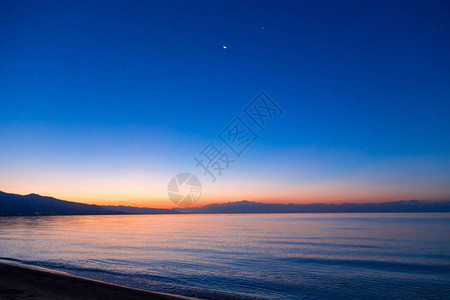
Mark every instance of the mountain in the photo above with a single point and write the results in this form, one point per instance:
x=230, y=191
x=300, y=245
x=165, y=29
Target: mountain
x=33, y=204
x=259, y=207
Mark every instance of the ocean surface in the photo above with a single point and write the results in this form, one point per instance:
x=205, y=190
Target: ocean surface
x=276, y=256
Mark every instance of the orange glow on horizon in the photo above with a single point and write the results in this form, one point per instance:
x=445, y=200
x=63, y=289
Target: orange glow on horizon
x=301, y=196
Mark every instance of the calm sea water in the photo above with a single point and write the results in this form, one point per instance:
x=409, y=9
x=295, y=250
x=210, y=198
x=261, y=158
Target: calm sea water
x=282, y=256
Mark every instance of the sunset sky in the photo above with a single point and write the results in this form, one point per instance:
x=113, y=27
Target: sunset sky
x=104, y=102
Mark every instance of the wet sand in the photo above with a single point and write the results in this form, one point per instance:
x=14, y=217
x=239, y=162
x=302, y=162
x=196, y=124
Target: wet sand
x=24, y=282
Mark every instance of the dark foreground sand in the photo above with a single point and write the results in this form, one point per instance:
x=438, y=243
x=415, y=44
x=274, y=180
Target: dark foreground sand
x=23, y=282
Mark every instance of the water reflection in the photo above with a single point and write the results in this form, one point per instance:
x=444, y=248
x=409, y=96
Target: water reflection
x=255, y=255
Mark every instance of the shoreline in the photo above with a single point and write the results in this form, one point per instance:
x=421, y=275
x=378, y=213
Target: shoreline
x=18, y=281
x=238, y=213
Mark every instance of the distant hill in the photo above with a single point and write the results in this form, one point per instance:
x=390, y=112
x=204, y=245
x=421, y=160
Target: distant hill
x=259, y=207
x=33, y=204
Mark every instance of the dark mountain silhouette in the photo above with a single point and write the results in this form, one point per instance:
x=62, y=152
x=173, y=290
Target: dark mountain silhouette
x=258, y=207
x=33, y=204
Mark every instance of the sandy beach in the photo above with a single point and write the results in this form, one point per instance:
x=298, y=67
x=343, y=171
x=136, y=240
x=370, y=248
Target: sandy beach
x=26, y=282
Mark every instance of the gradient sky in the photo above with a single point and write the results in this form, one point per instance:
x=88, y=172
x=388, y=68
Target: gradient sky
x=104, y=101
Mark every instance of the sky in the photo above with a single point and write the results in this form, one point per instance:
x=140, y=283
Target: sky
x=105, y=101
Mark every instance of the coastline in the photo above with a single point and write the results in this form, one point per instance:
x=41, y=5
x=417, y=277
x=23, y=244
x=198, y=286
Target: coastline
x=18, y=281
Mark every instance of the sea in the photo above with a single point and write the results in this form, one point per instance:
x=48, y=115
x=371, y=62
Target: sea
x=245, y=256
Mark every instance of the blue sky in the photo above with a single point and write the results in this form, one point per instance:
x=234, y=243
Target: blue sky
x=104, y=101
